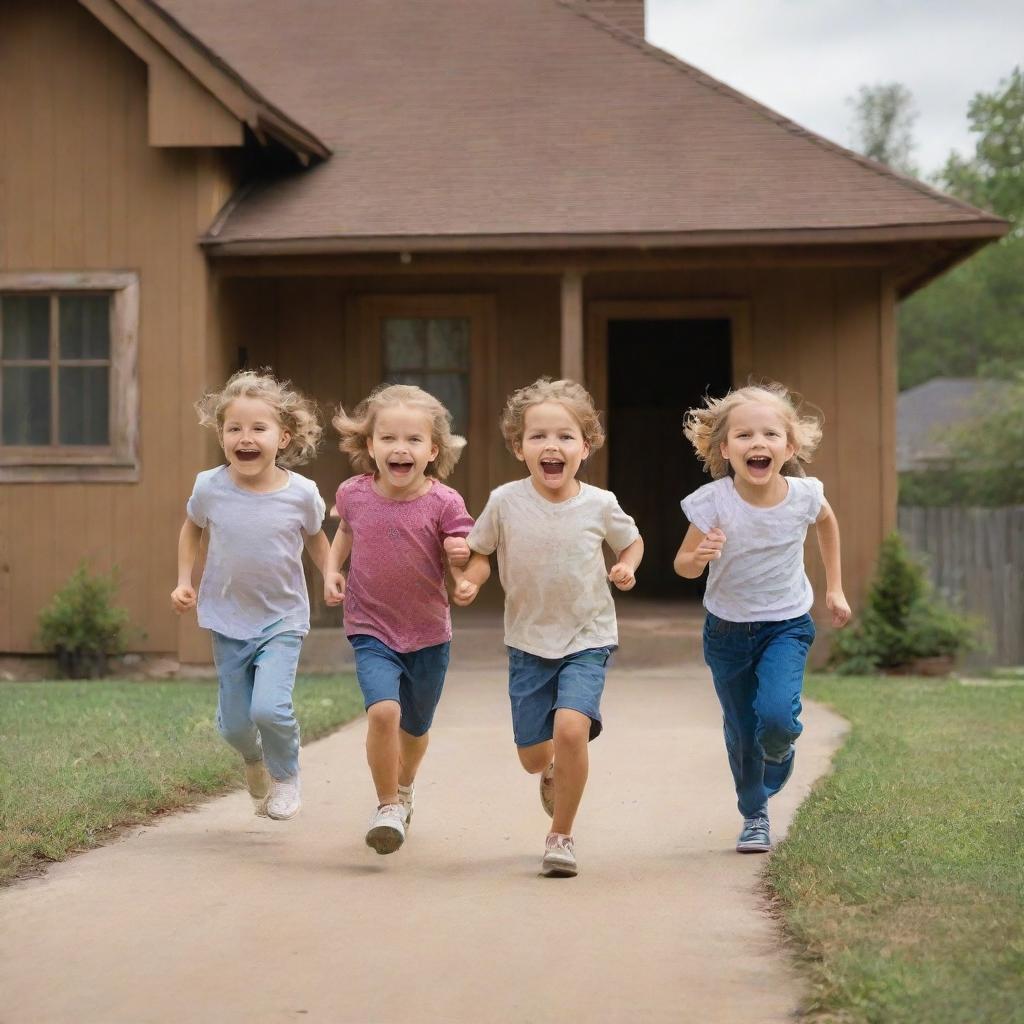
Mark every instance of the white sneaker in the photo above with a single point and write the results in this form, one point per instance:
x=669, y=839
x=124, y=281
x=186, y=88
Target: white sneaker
x=559, y=856
x=285, y=799
x=387, y=828
x=258, y=781
x=547, y=790
x=406, y=797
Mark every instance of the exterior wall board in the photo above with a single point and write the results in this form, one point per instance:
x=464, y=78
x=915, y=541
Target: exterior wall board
x=82, y=190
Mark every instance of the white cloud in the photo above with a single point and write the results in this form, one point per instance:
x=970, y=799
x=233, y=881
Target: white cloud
x=806, y=58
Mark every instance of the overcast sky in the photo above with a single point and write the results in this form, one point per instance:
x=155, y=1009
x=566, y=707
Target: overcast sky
x=805, y=58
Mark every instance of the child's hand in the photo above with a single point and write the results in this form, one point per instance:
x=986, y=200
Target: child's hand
x=334, y=589
x=710, y=548
x=183, y=598
x=622, y=576
x=835, y=601
x=465, y=593
x=457, y=551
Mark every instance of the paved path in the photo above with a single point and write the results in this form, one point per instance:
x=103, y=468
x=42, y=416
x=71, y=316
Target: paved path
x=215, y=915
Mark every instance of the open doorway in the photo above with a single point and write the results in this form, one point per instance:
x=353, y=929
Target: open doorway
x=657, y=369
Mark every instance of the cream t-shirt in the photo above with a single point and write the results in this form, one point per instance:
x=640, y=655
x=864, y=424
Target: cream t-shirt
x=551, y=563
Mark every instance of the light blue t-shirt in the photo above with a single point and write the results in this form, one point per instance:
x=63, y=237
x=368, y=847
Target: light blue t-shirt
x=760, y=576
x=253, y=577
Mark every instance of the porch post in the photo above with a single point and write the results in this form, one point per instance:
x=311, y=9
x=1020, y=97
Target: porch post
x=572, y=326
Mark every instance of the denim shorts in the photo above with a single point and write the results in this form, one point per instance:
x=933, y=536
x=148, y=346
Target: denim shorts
x=414, y=680
x=537, y=687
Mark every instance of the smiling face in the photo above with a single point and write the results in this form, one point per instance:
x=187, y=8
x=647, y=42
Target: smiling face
x=757, y=445
x=552, y=448
x=252, y=436
x=402, y=446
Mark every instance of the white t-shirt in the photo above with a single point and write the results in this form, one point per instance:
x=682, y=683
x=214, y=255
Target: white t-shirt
x=760, y=576
x=551, y=564
x=253, y=576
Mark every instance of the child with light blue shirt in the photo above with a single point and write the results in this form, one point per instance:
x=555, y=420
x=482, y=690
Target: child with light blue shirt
x=258, y=516
x=749, y=526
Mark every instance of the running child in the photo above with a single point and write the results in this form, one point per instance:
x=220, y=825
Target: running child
x=549, y=531
x=749, y=525
x=258, y=515
x=395, y=518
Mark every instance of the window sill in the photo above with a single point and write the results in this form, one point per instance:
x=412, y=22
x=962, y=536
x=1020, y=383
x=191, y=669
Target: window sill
x=100, y=472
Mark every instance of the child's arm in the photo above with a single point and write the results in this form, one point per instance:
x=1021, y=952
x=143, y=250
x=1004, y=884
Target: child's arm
x=318, y=548
x=828, y=544
x=623, y=572
x=183, y=597
x=468, y=581
x=337, y=556
x=457, y=551
x=698, y=548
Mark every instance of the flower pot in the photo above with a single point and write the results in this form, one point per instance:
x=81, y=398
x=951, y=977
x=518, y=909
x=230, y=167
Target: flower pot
x=80, y=663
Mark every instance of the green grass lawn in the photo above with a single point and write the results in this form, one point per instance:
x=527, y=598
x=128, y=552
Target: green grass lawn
x=77, y=760
x=902, y=880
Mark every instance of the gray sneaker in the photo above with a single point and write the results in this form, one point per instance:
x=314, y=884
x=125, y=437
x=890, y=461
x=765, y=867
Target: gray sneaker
x=755, y=836
x=778, y=773
x=559, y=857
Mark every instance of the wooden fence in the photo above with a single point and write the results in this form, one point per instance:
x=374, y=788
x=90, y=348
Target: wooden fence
x=975, y=557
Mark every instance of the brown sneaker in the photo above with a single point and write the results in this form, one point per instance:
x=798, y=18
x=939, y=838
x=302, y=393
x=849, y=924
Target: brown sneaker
x=258, y=780
x=547, y=790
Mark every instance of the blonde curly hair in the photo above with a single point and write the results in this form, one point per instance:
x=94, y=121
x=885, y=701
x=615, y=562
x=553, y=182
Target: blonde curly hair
x=296, y=413
x=573, y=396
x=707, y=426
x=356, y=429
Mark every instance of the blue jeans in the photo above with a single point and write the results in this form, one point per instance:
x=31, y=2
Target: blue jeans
x=254, y=712
x=758, y=669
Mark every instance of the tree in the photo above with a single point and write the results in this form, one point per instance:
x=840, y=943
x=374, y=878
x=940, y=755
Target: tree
x=884, y=121
x=994, y=177
x=971, y=321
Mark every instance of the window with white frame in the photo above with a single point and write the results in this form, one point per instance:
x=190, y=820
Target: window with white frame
x=68, y=394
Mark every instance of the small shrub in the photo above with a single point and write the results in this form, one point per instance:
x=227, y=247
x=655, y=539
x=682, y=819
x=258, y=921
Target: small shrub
x=82, y=625
x=904, y=620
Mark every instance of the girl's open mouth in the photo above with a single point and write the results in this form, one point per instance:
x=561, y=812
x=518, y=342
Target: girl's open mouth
x=551, y=469
x=246, y=455
x=400, y=468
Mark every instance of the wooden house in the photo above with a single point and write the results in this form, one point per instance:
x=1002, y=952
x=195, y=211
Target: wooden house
x=462, y=194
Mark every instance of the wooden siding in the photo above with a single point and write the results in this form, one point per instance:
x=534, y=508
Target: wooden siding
x=80, y=190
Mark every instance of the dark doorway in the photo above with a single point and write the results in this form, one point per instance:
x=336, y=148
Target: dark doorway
x=657, y=369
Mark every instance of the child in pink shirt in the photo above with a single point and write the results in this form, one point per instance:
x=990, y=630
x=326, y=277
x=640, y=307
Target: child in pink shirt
x=394, y=521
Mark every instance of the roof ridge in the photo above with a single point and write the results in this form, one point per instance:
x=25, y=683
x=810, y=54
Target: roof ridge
x=716, y=85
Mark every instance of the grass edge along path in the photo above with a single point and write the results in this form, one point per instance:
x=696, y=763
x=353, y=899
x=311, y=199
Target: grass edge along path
x=901, y=881
x=81, y=760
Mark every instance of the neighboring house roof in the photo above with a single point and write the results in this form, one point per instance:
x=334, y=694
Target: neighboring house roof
x=925, y=414
x=531, y=123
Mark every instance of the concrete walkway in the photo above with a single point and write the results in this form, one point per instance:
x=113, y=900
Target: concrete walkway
x=215, y=915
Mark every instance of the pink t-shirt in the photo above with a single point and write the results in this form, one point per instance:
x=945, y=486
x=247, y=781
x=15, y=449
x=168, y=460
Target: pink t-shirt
x=395, y=588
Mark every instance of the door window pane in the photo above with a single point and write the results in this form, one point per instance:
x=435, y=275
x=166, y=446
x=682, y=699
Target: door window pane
x=26, y=327
x=404, y=347
x=84, y=405
x=448, y=344
x=84, y=326
x=452, y=390
x=26, y=403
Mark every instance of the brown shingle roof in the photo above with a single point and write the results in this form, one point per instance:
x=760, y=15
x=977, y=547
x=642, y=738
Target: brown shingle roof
x=457, y=121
